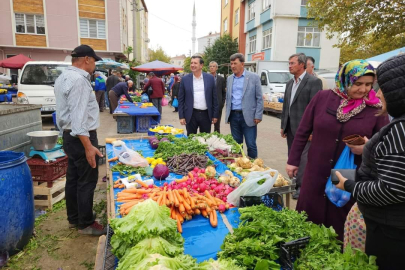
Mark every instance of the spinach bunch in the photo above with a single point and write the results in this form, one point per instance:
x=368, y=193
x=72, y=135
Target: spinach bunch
x=127, y=170
x=179, y=146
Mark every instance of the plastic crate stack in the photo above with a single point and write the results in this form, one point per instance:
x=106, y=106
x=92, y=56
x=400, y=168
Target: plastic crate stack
x=43, y=171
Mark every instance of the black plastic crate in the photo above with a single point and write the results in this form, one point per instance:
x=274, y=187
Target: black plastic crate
x=271, y=199
x=101, y=160
x=290, y=251
x=110, y=261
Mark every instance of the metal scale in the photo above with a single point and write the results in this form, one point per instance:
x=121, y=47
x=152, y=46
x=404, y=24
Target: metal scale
x=48, y=155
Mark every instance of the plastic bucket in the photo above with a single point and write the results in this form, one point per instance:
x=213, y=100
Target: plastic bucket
x=16, y=202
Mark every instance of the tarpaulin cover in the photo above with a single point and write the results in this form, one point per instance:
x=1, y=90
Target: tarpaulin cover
x=134, y=110
x=17, y=61
x=202, y=241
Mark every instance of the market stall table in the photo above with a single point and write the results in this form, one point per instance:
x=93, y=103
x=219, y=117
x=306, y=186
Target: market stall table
x=132, y=118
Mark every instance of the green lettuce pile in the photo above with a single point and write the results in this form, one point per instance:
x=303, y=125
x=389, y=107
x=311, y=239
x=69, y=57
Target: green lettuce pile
x=255, y=243
x=146, y=237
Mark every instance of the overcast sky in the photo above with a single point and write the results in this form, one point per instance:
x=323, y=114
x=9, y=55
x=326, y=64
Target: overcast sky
x=170, y=23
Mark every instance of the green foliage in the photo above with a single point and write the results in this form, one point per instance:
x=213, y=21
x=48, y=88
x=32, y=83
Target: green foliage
x=364, y=28
x=220, y=52
x=128, y=51
x=127, y=170
x=159, y=54
x=187, y=63
x=180, y=146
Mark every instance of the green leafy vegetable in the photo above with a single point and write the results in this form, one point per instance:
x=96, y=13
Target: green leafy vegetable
x=220, y=264
x=228, y=139
x=261, y=181
x=157, y=261
x=127, y=170
x=179, y=146
x=146, y=247
x=60, y=141
x=170, y=137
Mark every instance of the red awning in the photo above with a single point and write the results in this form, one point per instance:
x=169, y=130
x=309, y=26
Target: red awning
x=157, y=67
x=17, y=61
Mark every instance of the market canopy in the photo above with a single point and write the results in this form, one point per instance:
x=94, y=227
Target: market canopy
x=157, y=67
x=382, y=57
x=16, y=62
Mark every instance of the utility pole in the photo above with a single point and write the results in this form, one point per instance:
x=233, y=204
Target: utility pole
x=134, y=47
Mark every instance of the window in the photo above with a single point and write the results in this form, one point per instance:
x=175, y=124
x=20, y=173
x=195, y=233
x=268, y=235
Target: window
x=251, y=11
x=304, y=2
x=252, y=44
x=37, y=74
x=308, y=37
x=236, y=16
x=225, y=25
x=92, y=29
x=267, y=38
x=30, y=24
x=266, y=4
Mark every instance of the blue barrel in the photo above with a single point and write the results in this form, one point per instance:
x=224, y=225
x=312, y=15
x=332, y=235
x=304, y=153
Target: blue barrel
x=16, y=202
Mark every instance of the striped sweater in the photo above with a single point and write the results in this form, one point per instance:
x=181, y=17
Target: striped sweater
x=389, y=188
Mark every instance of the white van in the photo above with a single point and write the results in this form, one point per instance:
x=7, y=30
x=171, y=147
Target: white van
x=36, y=84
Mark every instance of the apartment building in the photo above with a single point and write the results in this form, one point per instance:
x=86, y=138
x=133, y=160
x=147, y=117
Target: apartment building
x=233, y=20
x=206, y=41
x=138, y=30
x=51, y=29
x=178, y=60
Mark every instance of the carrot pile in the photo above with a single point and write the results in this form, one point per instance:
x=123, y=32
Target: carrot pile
x=183, y=205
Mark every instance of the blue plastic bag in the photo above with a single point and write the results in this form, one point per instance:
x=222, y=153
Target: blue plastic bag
x=175, y=103
x=337, y=196
x=144, y=98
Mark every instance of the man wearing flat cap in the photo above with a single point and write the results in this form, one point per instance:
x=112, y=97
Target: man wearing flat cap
x=77, y=114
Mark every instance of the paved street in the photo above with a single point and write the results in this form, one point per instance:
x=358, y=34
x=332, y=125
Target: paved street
x=272, y=148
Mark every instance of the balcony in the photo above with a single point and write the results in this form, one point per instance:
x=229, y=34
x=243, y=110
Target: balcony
x=265, y=16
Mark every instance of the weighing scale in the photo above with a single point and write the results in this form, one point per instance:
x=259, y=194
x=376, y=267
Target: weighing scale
x=48, y=155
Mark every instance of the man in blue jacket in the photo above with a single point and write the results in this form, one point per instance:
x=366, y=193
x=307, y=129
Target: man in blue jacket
x=244, y=104
x=100, y=88
x=198, y=104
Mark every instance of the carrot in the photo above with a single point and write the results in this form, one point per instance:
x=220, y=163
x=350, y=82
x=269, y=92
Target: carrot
x=118, y=181
x=128, y=204
x=176, y=200
x=164, y=197
x=182, y=180
x=121, y=186
x=179, y=216
x=191, y=176
x=187, y=206
x=214, y=219
x=178, y=196
x=190, y=212
x=210, y=197
x=209, y=210
x=179, y=228
x=171, y=198
x=116, y=185
x=204, y=213
x=136, y=190
x=143, y=184
x=192, y=203
x=185, y=193
x=172, y=213
x=182, y=209
x=202, y=206
x=197, y=212
x=112, y=159
x=159, y=201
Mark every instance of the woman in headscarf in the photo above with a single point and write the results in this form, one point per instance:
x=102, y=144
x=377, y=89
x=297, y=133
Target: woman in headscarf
x=332, y=115
x=379, y=187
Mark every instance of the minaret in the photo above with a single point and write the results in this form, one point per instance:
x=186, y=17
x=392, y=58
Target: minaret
x=194, y=24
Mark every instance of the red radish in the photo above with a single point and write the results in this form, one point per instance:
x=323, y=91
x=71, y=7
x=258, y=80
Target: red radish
x=188, y=182
x=150, y=186
x=202, y=170
x=202, y=187
x=195, y=170
x=221, y=208
x=195, y=186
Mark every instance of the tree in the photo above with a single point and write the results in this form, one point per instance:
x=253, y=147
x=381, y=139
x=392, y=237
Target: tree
x=128, y=51
x=187, y=62
x=159, y=54
x=363, y=27
x=220, y=51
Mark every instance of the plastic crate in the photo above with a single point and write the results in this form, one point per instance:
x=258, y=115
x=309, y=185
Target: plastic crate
x=47, y=172
x=143, y=123
x=290, y=251
x=101, y=160
x=54, y=120
x=110, y=261
x=125, y=124
x=271, y=199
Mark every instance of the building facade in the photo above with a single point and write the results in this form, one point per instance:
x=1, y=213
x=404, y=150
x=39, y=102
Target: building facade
x=138, y=30
x=178, y=60
x=276, y=29
x=51, y=29
x=206, y=41
x=233, y=20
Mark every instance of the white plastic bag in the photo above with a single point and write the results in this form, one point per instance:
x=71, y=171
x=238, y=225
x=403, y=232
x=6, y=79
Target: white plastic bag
x=129, y=156
x=251, y=187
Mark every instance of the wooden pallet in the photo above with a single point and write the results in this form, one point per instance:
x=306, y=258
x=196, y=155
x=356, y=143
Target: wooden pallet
x=53, y=194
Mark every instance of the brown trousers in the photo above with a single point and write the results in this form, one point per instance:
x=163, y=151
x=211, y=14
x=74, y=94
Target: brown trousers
x=113, y=101
x=100, y=97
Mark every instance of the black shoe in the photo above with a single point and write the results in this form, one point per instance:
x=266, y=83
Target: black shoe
x=75, y=225
x=296, y=194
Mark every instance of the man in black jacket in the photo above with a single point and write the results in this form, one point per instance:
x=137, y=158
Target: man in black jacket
x=221, y=92
x=298, y=93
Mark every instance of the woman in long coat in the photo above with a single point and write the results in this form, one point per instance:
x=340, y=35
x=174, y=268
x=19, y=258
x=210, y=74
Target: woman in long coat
x=331, y=115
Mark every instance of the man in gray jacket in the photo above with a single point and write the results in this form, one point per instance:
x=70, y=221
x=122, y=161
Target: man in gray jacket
x=298, y=93
x=244, y=104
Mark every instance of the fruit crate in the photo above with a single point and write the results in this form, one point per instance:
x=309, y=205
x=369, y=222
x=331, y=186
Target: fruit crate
x=42, y=171
x=110, y=261
x=271, y=199
x=290, y=251
x=125, y=124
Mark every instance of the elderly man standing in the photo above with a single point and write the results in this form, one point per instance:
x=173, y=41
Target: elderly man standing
x=298, y=93
x=121, y=88
x=310, y=71
x=198, y=104
x=158, y=91
x=77, y=114
x=244, y=104
x=221, y=93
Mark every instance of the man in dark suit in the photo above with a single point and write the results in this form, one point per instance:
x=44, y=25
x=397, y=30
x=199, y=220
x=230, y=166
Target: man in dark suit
x=112, y=81
x=298, y=93
x=221, y=92
x=198, y=105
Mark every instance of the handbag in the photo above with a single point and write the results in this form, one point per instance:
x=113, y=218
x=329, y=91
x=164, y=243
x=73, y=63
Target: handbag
x=150, y=91
x=337, y=196
x=175, y=103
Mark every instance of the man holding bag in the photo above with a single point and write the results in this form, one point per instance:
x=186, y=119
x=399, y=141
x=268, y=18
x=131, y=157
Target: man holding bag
x=158, y=91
